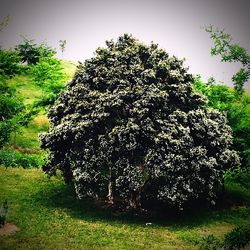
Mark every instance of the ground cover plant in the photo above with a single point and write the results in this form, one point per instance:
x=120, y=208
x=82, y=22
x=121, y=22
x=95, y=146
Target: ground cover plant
x=130, y=127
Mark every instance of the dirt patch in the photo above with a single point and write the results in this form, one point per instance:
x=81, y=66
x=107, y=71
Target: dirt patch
x=8, y=229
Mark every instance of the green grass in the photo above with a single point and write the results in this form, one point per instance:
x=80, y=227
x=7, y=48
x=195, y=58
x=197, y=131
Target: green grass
x=49, y=216
x=26, y=88
x=29, y=90
x=27, y=138
x=69, y=68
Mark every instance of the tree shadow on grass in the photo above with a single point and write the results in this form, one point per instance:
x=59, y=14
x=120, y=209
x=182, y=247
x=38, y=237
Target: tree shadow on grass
x=64, y=197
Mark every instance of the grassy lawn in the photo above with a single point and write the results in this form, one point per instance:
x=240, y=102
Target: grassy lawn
x=49, y=216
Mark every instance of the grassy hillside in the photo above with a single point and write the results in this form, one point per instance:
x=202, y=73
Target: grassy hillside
x=27, y=138
x=49, y=216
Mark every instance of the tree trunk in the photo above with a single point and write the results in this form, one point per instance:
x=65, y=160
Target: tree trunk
x=223, y=187
x=110, y=190
x=135, y=200
x=14, y=139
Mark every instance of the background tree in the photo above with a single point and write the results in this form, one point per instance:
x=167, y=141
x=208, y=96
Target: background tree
x=13, y=113
x=48, y=74
x=231, y=52
x=4, y=23
x=223, y=98
x=9, y=104
x=9, y=63
x=131, y=128
x=62, y=44
x=10, y=108
x=30, y=52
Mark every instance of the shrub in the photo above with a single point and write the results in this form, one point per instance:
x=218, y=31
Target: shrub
x=130, y=126
x=210, y=242
x=10, y=158
x=239, y=175
x=48, y=75
x=238, y=238
x=11, y=110
x=9, y=63
x=223, y=98
x=31, y=52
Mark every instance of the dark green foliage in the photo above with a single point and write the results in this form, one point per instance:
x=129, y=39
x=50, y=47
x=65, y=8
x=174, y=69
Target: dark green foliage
x=231, y=52
x=46, y=100
x=240, y=176
x=210, y=242
x=9, y=63
x=237, y=238
x=30, y=52
x=239, y=120
x=3, y=213
x=9, y=158
x=130, y=127
x=223, y=98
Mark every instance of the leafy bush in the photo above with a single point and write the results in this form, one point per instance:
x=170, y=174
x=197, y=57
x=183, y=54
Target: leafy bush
x=130, y=127
x=223, y=98
x=11, y=107
x=10, y=158
x=48, y=74
x=210, y=242
x=31, y=52
x=9, y=63
x=238, y=238
x=189, y=236
x=239, y=175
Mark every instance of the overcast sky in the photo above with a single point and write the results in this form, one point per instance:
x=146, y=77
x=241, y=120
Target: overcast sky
x=175, y=25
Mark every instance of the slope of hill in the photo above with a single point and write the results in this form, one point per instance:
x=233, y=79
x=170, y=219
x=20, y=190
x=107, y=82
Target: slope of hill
x=27, y=138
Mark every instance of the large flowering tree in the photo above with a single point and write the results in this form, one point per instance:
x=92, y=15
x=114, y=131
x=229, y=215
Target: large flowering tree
x=130, y=125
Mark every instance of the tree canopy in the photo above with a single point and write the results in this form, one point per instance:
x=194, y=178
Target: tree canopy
x=231, y=52
x=31, y=52
x=131, y=128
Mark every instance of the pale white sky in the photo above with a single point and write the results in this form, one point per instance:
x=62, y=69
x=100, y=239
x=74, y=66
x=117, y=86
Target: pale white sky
x=174, y=25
